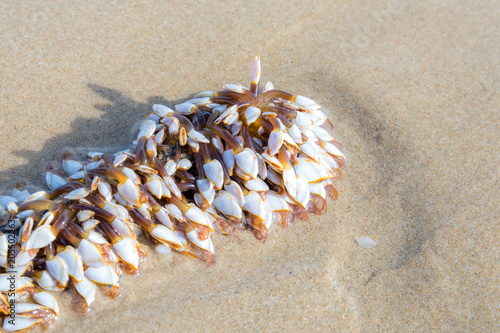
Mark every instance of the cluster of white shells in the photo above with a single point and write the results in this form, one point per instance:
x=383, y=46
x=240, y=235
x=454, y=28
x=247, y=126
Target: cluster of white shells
x=237, y=158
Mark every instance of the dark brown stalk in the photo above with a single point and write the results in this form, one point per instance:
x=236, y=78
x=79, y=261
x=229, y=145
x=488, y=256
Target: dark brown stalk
x=275, y=93
x=64, y=189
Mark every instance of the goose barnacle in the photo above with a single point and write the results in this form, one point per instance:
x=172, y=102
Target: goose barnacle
x=225, y=160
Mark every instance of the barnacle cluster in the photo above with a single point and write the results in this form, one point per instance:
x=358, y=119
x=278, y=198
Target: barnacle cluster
x=236, y=158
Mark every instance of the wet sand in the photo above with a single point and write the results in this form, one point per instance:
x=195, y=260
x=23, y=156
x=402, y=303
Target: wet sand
x=413, y=92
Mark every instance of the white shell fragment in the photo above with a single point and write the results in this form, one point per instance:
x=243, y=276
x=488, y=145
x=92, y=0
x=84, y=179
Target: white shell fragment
x=365, y=242
x=163, y=249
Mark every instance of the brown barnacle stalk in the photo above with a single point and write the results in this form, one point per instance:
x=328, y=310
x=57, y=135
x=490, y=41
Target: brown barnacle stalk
x=238, y=158
x=157, y=232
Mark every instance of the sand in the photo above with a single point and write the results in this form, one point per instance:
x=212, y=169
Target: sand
x=413, y=92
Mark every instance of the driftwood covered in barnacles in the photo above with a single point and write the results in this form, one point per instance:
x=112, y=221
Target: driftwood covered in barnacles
x=235, y=158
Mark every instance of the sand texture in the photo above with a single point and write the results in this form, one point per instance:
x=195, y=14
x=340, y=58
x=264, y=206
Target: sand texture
x=412, y=89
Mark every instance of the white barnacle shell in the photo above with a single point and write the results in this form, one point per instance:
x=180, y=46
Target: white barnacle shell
x=47, y=282
x=86, y=288
x=77, y=175
x=294, y=132
x=203, y=244
x=303, y=194
x=256, y=70
x=73, y=262
x=58, y=269
x=306, y=103
x=290, y=181
x=166, y=235
x=20, y=195
x=203, y=100
x=185, y=108
x=322, y=134
x=232, y=110
x=103, y=275
x=193, y=144
x=332, y=149
x=162, y=216
x=310, y=170
x=275, y=141
x=236, y=127
x=236, y=87
x=162, y=110
x=247, y=162
x=53, y=181
x=131, y=174
x=77, y=194
x=184, y=164
x=20, y=282
x=197, y=136
x=208, y=93
x=47, y=300
x=317, y=189
x=172, y=186
x=126, y=249
x=40, y=237
x=235, y=190
x=254, y=205
x=214, y=173
x=276, y=202
x=154, y=185
x=257, y=185
x=206, y=189
x=129, y=191
x=71, y=166
x=252, y=113
x=22, y=322
x=218, y=144
x=174, y=126
x=228, y=158
x=228, y=205
x=147, y=129
x=303, y=121
x=90, y=254
x=196, y=215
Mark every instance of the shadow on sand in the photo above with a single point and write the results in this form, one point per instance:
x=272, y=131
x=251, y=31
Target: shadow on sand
x=113, y=131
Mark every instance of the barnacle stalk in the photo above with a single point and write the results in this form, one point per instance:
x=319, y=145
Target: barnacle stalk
x=232, y=159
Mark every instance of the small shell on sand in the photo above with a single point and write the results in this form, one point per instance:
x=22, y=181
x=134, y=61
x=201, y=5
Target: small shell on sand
x=365, y=242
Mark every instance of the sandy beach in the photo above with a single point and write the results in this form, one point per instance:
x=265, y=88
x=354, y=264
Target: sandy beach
x=412, y=89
